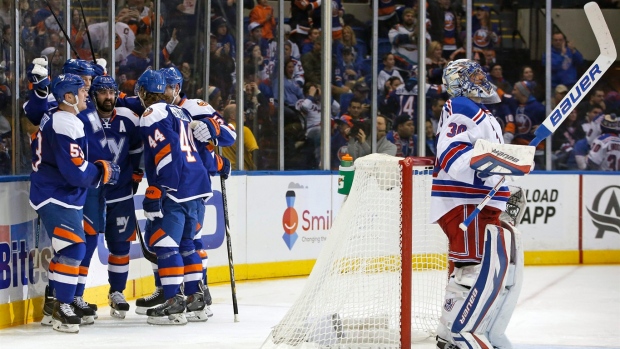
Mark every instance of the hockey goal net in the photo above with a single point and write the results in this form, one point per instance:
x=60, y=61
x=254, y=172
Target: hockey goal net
x=358, y=294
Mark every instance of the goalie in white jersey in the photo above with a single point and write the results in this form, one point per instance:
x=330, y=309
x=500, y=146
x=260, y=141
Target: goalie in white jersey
x=486, y=260
x=604, y=154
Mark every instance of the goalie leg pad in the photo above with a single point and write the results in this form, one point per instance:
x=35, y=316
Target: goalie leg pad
x=472, y=293
x=510, y=294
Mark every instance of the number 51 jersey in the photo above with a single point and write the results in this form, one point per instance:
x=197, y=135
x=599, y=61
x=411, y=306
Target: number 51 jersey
x=171, y=158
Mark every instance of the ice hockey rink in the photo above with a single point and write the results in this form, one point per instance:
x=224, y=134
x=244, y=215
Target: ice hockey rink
x=568, y=307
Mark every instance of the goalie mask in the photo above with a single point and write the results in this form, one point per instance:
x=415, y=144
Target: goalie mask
x=515, y=207
x=465, y=78
x=610, y=124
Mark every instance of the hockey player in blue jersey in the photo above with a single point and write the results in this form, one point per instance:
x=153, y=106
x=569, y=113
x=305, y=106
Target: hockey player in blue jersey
x=123, y=139
x=487, y=258
x=178, y=183
x=198, y=110
x=59, y=181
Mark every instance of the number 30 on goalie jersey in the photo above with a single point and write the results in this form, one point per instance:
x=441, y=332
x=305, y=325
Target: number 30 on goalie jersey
x=170, y=155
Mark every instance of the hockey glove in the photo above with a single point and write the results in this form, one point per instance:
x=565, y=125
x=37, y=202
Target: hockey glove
x=223, y=166
x=136, y=178
x=37, y=74
x=152, y=203
x=205, y=129
x=109, y=171
x=100, y=68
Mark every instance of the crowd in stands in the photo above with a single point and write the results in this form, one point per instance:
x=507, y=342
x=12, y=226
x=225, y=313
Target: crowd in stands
x=183, y=45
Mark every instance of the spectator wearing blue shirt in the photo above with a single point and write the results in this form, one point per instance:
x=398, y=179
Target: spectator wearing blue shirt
x=565, y=59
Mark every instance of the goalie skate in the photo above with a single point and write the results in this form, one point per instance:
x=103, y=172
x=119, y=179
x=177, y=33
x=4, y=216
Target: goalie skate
x=48, y=308
x=65, y=319
x=118, y=305
x=84, y=310
x=172, y=312
x=155, y=299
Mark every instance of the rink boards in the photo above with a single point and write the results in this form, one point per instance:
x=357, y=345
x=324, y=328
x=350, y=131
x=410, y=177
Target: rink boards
x=279, y=221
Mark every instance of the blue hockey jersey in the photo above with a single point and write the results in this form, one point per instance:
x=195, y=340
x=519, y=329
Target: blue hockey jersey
x=170, y=154
x=125, y=144
x=61, y=172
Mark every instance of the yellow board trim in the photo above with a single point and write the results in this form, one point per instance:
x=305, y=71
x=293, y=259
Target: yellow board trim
x=25, y=311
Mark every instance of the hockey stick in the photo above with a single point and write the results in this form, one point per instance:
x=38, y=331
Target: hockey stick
x=573, y=97
x=150, y=256
x=231, y=265
x=63, y=30
x=90, y=42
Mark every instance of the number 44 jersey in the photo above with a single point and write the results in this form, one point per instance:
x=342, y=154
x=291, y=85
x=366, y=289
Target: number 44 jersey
x=171, y=158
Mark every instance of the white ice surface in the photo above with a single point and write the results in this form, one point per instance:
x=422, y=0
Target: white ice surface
x=568, y=307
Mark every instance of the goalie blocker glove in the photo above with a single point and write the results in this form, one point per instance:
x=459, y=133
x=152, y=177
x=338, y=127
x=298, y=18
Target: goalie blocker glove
x=205, y=129
x=38, y=74
x=502, y=159
x=152, y=204
x=110, y=171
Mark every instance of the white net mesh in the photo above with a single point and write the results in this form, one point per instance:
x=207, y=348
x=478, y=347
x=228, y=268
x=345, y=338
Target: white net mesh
x=352, y=298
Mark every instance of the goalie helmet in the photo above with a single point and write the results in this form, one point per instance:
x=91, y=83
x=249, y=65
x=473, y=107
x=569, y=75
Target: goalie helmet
x=465, y=78
x=515, y=207
x=610, y=124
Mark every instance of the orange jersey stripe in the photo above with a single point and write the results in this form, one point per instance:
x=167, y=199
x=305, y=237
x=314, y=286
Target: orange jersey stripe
x=83, y=270
x=66, y=269
x=66, y=234
x=171, y=271
x=192, y=268
x=162, y=153
x=156, y=236
x=198, y=226
x=77, y=161
x=132, y=237
x=88, y=229
x=202, y=253
x=118, y=259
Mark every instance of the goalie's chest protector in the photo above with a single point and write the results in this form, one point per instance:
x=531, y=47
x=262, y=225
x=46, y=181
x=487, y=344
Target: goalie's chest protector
x=454, y=182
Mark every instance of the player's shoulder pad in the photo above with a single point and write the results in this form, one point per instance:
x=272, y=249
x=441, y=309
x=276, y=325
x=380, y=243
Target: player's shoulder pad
x=67, y=124
x=153, y=114
x=197, y=107
x=463, y=106
x=129, y=114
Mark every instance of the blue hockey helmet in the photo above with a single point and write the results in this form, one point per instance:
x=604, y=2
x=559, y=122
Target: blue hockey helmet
x=465, y=78
x=66, y=83
x=173, y=76
x=103, y=82
x=78, y=67
x=152, y=81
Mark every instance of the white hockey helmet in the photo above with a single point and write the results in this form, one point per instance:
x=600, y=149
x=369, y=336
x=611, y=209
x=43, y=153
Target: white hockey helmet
x=465, y=78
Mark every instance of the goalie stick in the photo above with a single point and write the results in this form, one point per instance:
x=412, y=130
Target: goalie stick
x=586, y=82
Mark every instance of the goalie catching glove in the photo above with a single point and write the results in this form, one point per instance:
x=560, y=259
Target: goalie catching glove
x=110, y=171
x=152, y=203
x=38, y=74
x=502, y=159
x=205, y=129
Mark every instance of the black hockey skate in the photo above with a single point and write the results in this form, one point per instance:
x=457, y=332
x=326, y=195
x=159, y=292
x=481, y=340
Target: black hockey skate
x=155, y=299
x=65, y=319
x=118, y=304
x=84, y=311
x=172, y=312
x=196, y=307
x=443, y=344
x=48, y=308
x=208, y=299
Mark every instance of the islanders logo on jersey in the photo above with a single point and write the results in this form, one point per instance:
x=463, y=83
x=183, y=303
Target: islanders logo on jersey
x=482, y=38
x=449, y=22
x=523, y=123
